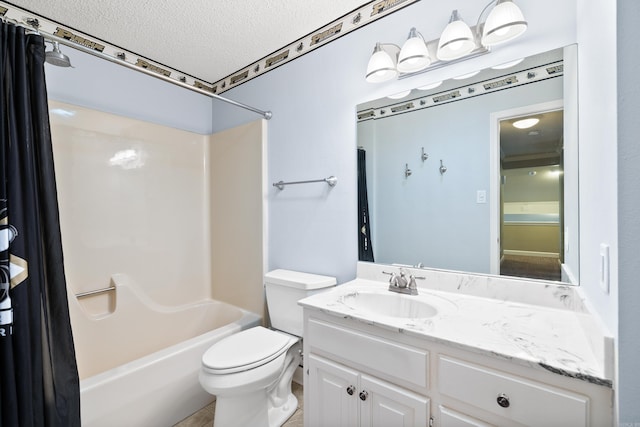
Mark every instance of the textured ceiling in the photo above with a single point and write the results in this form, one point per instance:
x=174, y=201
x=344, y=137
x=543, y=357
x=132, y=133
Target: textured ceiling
x=207, y=39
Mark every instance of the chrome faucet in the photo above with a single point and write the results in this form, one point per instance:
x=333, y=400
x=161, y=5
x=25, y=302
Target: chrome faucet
x=403, y=283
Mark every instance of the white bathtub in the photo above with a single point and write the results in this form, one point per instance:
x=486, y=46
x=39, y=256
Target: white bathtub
x=138, y=361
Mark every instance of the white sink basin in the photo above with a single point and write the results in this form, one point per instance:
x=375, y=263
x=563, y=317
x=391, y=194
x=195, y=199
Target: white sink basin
x=390, y=304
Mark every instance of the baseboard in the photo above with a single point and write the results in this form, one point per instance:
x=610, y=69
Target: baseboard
x=531, y=253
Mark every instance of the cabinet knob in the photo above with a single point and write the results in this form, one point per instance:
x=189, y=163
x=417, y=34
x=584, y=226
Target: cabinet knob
x=363, y=395
x=503, y=400
x=350, y=390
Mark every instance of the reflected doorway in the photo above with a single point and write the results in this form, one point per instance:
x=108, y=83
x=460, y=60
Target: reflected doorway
x=531, y=195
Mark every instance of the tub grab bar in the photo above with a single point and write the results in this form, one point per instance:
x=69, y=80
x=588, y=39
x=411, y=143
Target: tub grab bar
x=95, y=292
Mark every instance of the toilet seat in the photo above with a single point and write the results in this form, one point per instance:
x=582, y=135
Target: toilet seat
x=245, y=350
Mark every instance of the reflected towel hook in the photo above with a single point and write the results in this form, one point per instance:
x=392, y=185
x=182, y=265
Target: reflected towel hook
x=407, y=171
x=424, y=155
x=443, y=168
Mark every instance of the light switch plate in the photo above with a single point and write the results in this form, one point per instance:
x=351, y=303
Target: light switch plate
x=604, y=267
x=481, y=196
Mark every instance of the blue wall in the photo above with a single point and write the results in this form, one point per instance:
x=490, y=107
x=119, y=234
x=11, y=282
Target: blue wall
x=105, y=86
x=431, y=218
x=313, y=130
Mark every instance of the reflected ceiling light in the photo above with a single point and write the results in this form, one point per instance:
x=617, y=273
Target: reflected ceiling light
x=508, y=64
x=400, y=94
x=430, y=86
x=526, y=123
x=505, y=22
x=381, y=66
x=466, y=76
x=414, y=55
x=456, y=40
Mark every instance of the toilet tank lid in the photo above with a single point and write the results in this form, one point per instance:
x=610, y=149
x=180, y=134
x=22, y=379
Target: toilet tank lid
x=297, y=279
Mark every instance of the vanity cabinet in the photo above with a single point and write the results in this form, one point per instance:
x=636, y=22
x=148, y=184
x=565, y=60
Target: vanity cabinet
x=343, y=396
x=357, y=374
x=348, y=372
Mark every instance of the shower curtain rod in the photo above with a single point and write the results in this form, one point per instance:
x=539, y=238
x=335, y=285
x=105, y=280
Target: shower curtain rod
x=51, y=37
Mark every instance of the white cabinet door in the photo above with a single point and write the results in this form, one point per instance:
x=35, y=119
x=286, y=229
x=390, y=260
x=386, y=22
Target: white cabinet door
x=333, y=394
x=384, y=405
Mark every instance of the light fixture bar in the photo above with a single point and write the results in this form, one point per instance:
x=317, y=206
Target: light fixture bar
x=432, y=47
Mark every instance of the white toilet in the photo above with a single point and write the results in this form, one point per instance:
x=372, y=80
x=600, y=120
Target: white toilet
x=250, y=372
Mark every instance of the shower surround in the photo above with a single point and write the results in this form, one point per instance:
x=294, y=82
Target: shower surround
x=146, y=217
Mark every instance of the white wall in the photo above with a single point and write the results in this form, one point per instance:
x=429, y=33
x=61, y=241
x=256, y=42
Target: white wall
x=598, y=152
x=628, y=211
x=313, y=130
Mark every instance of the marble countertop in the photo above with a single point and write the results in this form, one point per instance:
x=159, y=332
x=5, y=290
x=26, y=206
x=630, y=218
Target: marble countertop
x=548, y=338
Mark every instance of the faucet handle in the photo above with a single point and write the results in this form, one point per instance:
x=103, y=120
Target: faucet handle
x=393, y=280
x=412, y=282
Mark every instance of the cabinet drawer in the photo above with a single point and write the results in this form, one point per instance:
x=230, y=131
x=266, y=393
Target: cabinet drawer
x=523, y=401
x=450, y=418
x=404, y=363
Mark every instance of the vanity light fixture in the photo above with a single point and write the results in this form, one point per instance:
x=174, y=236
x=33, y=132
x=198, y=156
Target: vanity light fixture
x=414, y=55
x=505, y=22
x=382, y=66
x=526, y=123
x=458, y=41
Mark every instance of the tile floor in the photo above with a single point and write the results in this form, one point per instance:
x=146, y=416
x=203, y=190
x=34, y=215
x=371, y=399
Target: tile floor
x=204, y=417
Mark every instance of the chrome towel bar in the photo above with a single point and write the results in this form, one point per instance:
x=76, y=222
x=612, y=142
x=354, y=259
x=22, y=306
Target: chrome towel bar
x=95, y=292
x=332, y=181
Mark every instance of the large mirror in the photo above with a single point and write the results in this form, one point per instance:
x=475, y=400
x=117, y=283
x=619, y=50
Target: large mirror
x=479, y=174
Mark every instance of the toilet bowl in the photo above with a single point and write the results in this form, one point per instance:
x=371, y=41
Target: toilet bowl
x=250, y=372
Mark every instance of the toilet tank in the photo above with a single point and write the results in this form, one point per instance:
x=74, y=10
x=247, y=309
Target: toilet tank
x=284, y=288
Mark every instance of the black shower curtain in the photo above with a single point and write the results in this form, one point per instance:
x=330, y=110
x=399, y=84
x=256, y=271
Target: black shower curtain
x=38, y=374
x=365, y=250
